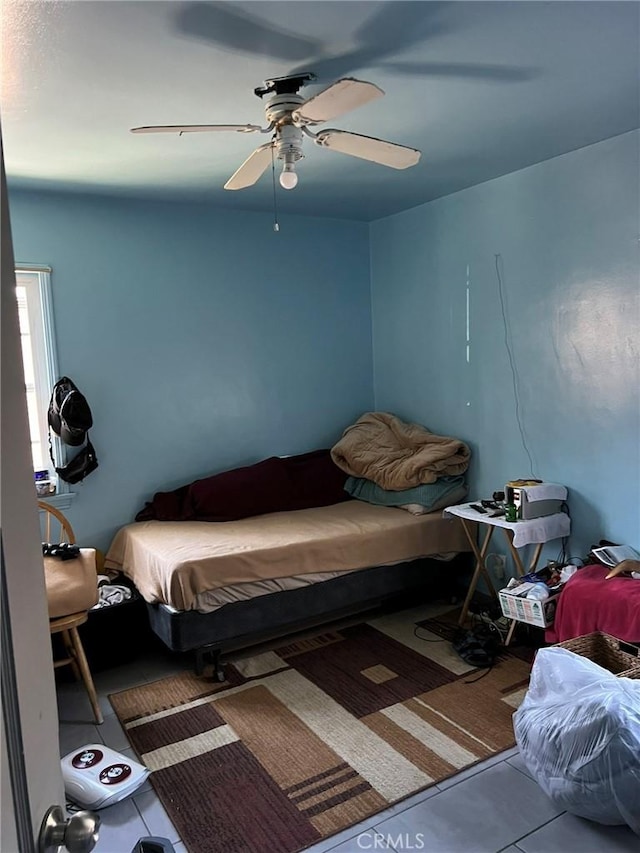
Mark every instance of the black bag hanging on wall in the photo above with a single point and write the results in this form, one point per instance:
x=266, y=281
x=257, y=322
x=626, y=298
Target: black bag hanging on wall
x=70, y=418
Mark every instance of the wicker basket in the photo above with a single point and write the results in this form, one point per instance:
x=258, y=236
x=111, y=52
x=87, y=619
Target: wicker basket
x=605, y=650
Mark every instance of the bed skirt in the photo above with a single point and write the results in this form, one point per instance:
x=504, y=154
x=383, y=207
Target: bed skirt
x=244, y=623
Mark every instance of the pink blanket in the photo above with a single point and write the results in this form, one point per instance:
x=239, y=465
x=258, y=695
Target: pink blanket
x=590, y=603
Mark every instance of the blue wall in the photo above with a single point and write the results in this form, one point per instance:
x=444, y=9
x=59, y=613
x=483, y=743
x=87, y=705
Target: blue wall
x=567, y=235
x=202, y=340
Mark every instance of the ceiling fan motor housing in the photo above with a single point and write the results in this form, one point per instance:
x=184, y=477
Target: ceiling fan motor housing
x=288, y=137
x=288, y=143
x=280, y=107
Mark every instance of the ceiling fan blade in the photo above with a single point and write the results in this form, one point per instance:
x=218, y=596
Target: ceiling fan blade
x=339, y=98
x=252, y=168
x=196, y=128
x=477, y=71
x=238, y=30
x=391, y=29
x=369, y=148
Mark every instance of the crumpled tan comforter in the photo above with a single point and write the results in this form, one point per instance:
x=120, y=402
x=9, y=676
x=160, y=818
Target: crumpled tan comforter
x=398, y=455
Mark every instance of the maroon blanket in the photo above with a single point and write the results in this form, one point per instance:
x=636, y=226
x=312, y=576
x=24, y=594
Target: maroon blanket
x=273, y=485
x=590, y=603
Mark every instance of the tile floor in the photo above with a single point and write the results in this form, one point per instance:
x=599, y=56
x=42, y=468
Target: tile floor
x=494, y=806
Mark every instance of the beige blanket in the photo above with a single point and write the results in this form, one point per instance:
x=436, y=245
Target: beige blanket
x=72, y=585
x=174, y=562
x=398, y=455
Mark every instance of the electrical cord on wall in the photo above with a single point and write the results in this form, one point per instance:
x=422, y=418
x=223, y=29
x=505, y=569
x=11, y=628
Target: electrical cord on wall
x=512, y=365
x=562, y=556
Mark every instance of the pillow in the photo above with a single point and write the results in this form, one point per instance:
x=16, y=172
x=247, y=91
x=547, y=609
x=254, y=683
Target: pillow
x=167, y=506
x=276, y=484
x=427, y=497
x=316, y=479
x=243, y=492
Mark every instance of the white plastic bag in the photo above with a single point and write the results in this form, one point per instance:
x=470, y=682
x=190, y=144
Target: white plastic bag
x=578, y=730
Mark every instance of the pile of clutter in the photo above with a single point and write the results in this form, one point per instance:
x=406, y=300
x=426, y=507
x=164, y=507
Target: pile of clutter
x=533, y=597
x=543, y=583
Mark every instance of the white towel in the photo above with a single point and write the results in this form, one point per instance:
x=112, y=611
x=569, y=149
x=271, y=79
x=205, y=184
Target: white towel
x=546, y=492
x=525, y=532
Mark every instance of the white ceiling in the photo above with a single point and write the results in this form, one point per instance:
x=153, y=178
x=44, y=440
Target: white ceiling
x=481, y=88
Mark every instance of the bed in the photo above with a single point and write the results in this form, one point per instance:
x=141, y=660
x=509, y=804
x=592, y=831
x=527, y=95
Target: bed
x=214, y=586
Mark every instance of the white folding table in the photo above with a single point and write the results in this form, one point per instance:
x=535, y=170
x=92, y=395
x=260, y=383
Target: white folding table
x=534, y=531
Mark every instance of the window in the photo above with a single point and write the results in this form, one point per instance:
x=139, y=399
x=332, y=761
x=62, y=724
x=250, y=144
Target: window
x=35, y=311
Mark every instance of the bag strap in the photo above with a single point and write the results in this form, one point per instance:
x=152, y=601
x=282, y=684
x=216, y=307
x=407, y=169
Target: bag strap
x=53, y=461
x=87, y=446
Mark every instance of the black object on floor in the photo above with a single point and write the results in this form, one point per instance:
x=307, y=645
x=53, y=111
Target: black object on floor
x=117, y=634
x=478, y=647
x=154, y=844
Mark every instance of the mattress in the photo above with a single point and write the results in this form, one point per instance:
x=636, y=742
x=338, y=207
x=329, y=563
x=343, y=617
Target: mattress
x=175, y=563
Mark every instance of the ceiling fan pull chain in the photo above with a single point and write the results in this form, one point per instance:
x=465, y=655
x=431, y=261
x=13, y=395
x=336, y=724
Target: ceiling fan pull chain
x=276, y=224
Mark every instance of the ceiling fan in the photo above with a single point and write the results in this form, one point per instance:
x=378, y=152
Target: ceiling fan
x=289, y=118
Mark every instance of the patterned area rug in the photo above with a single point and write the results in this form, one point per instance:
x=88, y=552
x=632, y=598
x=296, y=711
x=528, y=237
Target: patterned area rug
x=306, y=740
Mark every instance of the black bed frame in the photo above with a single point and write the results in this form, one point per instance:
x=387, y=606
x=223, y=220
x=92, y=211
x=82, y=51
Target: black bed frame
x=244, y=623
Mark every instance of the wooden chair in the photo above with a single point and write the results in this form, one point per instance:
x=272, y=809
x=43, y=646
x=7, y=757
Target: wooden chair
x=56, y=529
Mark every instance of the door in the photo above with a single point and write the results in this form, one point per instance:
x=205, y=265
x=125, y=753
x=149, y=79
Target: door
x=30, y=770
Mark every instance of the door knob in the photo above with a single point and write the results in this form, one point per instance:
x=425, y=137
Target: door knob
x=77, y=834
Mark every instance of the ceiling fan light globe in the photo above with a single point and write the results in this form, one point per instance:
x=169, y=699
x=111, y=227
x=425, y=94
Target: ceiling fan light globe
x=288, y=177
